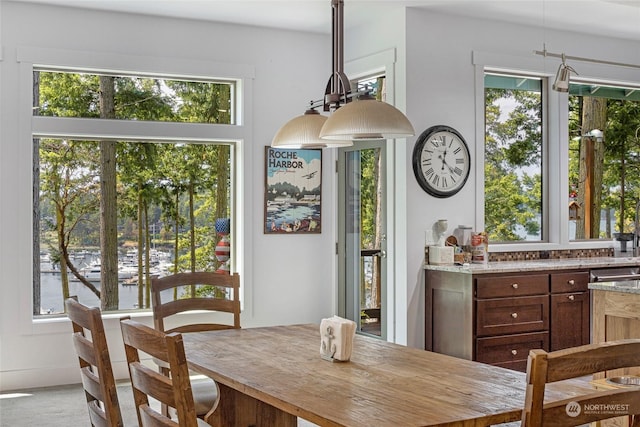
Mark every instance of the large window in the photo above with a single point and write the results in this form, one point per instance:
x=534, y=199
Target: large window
x=514, y=154
x=604, y=161
x=111, y=212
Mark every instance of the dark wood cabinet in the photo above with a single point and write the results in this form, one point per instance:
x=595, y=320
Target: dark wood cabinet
x=501, y=316
x=570, y=312
x=512, y=317
x=511, y=285
x=510, y=351
x=497, y=318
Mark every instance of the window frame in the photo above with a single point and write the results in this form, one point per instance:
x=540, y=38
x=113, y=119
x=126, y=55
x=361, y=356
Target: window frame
x=68, y=70
x=557, y=135
x=544, y=149
x=31, y=126
x=556, y=142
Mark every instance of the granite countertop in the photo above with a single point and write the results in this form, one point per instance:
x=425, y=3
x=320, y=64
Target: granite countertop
x=538, y=265
x=626, y=286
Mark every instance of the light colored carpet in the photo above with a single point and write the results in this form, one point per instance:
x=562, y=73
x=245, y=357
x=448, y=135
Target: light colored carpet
x=62, y=406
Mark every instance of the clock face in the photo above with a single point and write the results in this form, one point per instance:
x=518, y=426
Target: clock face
x=441, y=161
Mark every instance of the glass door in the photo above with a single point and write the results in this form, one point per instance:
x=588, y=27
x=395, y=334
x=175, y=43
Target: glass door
x=362, y=241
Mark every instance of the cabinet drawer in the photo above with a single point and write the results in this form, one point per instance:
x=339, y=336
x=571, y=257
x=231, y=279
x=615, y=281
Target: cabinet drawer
x=510, y=351
x=570, y=282
x=512, y=315
x=512, y=286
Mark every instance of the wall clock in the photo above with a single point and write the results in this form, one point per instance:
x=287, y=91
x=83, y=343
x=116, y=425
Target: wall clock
x=441, y=161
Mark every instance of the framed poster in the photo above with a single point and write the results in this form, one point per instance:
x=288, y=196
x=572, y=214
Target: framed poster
x=292, y=191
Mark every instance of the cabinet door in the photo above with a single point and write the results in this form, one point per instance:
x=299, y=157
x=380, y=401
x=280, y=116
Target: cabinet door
x=569, y=320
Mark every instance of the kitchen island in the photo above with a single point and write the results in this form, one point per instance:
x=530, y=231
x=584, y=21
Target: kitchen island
x=615, y=310
x=615, y=315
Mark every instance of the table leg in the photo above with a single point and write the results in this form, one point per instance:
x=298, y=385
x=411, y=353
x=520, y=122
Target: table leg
x=236, y=409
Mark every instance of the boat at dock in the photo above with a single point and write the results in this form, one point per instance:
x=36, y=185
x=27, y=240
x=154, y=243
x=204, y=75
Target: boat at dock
x=93, y=273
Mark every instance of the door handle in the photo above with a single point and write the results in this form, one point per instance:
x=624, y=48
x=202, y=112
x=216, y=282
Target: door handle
x=381, y=254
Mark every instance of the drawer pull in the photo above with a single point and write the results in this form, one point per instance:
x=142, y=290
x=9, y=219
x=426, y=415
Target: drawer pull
x=571, y=297
x=514, y=286
x=514, y=315
x=514, y=352
x=571, y=282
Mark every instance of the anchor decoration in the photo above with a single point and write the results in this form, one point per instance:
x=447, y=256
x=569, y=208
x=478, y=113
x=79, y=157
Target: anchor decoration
x=336, y=339
x=328, y=348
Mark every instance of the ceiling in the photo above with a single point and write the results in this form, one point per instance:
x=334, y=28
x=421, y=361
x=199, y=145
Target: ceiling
x=614, y=18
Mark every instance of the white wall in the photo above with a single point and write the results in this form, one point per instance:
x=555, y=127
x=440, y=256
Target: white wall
x=443, y=89
x=287, y=279
x=382, y=48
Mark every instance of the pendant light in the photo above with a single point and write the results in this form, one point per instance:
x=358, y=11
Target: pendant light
x=363, y=119
x=563, y=75
x=366, y=118
x=304, y=132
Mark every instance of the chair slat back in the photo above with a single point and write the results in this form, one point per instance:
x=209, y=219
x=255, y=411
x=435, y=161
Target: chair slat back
x=544, y=368
x=174, y=391
x=224, y=297
x=99, y=385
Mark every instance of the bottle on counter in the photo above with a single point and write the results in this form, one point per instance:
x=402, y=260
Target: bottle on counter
x=479, y=248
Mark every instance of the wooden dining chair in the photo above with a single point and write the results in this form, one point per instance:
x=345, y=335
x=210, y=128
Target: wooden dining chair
x=90, y=343
x=186, y=292
x=216, y=294
x=173, y=391
x=575, y=362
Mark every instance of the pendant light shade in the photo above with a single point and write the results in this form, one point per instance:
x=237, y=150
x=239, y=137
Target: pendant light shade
x=563, y=75
x=366, y=119
x=561, y=83
x=303, y=132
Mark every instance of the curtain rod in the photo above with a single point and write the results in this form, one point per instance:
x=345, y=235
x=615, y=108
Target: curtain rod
x=579, y=58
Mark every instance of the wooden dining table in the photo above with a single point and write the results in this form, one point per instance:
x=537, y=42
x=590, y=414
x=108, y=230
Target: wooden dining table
x=269, y=376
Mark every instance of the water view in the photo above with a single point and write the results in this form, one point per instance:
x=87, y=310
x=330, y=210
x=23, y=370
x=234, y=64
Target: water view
x=51, y=294
x=89, y=264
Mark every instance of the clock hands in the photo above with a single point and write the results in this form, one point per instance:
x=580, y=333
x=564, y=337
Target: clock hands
x=444, y=163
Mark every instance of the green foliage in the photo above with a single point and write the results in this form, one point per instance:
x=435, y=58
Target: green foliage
x=622, y=150
x=621, y=158
x=68, y=187
x=69, y=95
x=508, y=204
x=136, y=98
x=143, y=99
x=369, y=197
x=513, y=153
x=210, y=103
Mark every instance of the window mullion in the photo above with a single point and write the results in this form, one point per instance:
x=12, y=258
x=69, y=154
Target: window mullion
x=129, y=129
